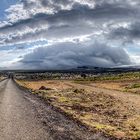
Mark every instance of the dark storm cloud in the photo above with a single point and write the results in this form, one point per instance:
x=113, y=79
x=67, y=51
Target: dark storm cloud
x=78, y=12
x=130, y=33
x=69, y=55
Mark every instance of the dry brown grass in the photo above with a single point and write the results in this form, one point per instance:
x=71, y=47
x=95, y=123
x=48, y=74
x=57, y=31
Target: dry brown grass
x=99, y=111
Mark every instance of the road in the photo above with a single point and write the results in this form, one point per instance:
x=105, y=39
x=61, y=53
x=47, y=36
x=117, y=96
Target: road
x=26, y=117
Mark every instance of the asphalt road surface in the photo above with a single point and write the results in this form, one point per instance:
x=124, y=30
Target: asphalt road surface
x=26, y=117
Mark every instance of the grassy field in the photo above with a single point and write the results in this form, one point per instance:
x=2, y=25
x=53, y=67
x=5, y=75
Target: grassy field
x=112, y=77
x=132, y=86
x=100, y=110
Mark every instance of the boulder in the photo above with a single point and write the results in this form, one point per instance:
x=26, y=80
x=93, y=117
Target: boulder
x=44, y=88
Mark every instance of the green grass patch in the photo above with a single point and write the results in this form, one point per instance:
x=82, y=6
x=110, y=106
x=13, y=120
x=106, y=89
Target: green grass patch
x=135, y=85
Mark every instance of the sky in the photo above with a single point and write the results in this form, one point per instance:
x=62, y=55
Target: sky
x=63, y=34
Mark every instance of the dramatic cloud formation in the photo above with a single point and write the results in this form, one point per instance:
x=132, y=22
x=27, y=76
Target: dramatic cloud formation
x=28, y=24
x=114, y=23
x=70, y=55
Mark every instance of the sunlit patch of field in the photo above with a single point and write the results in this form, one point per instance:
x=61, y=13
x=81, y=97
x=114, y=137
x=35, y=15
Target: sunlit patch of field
x=98, y=111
